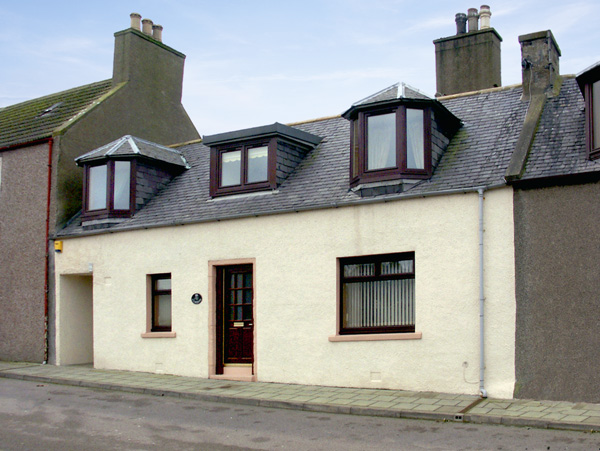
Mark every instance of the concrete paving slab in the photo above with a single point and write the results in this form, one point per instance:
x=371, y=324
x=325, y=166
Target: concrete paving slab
x=376, y=402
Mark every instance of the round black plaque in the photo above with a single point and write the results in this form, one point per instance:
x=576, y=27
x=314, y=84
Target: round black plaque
x=196, y=298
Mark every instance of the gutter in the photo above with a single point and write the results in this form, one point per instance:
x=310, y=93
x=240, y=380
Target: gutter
x=287, y=210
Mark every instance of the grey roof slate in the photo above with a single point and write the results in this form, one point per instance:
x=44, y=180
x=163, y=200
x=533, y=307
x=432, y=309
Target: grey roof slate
x=40, y=118
x=559, y=146
x=477, y=156
x=131, y=146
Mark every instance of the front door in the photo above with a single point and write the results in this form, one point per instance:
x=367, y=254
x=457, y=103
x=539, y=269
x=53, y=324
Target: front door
x=235, y=316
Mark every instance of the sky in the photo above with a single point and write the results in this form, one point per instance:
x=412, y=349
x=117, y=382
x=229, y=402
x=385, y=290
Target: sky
x=252, y=63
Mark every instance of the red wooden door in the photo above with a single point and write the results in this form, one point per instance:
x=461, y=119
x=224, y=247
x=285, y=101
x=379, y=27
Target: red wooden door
x=238, y=323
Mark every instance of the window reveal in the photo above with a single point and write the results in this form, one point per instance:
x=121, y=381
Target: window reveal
x=377, y=294
x=161, y=303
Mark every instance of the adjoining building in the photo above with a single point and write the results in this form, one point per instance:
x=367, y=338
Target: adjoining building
x=40, y=186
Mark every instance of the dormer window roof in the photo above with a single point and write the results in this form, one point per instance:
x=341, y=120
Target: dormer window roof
x=120, y=177
x=589, y=83
x=255, y=159
x=397, y=133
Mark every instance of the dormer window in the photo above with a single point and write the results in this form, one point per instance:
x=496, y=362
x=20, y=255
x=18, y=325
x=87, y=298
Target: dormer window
x=244, y=167
x=592, y=94
x=120, y=177
x=391, y=143
x=108, y=189
x=255, y=159
x=396, y=135
x=589, y=83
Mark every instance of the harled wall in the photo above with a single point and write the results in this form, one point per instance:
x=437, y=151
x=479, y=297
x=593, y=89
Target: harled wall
x=296, y=292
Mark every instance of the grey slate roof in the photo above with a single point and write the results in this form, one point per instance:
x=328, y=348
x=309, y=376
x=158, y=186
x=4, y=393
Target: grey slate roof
x=131, y=146
x=39, y=118
x=559, y=146
x=477, y=156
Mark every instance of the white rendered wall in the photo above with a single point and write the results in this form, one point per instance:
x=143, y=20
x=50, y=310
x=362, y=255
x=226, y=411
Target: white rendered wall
x=295, y=302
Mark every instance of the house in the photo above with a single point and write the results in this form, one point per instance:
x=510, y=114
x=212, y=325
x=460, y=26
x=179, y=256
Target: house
x=389, y=247
x=40, y=187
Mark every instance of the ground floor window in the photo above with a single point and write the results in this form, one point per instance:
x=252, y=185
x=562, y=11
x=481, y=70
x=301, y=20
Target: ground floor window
x=377, y=293
x=161, y=303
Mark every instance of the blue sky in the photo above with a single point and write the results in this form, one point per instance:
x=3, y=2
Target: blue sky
x=252, y=63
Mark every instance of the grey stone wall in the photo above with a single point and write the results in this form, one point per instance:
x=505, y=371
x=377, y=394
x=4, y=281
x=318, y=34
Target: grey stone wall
x=557, y=247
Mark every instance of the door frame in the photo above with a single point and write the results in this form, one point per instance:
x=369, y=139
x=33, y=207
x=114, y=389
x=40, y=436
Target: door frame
x=213, y=339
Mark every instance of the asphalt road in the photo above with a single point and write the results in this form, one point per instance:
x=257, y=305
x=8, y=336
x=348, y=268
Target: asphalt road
x=36, y=416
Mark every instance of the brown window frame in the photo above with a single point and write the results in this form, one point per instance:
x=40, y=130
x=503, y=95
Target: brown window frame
x=358, y=147
x=377, y=260
x=244, y=187
x=154, y=292
x=109, y=211
x=592, y=153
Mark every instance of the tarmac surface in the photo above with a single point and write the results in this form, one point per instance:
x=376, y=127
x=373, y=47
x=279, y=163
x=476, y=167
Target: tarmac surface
x=356, y=401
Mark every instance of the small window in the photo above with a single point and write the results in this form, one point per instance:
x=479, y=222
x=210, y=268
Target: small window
x=377, y=294
x=242, y=168
x=391, y=143
x=161, y=303
x=108, y=190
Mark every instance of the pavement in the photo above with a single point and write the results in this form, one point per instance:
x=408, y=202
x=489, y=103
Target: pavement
x=354, y=401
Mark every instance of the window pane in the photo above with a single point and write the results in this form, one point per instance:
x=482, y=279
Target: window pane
x=397, y=267
x=379, y=304
x=415, y=151
x=163, y=313
x=122, y=185
x=231, y=166
x=596, y=114
x=381, y=141
x=366, y=269
x=97, y=188
x=257, y=164
x=162, y=284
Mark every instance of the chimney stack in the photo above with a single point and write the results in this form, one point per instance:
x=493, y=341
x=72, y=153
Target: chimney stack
x=135, y=20
x=145, y=63
x=147, y=27
x=468, y=61
x=540, y=56
x=157, y=32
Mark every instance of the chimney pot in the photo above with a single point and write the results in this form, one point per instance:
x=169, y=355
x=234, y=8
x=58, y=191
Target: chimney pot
x=135, y=20
x=147, y=27
x=485, y=14
x=461, y=23
x=157, y=32
x=473, y=18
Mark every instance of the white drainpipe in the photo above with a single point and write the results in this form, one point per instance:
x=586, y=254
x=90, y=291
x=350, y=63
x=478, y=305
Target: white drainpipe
x=482, y=391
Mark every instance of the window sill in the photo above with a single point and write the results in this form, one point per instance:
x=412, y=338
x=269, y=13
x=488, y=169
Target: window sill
x=158, y=335
x=377, y=337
